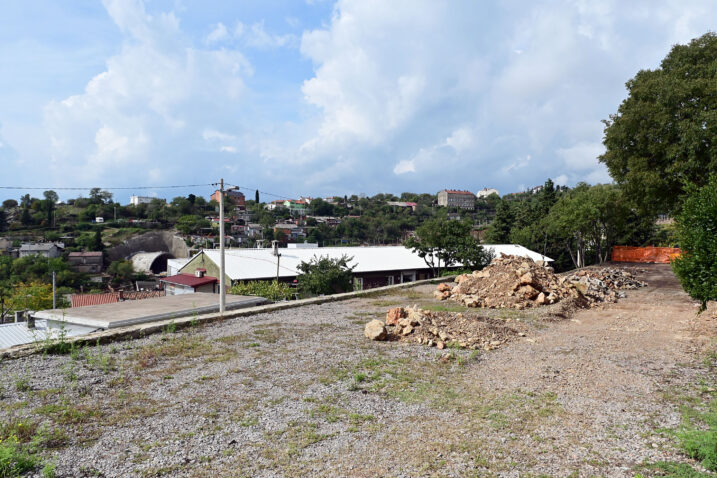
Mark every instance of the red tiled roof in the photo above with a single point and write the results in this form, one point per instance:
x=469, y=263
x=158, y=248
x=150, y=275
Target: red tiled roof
x=81, y=300
x=189, y=280
x=454, y=191
x=85, y=254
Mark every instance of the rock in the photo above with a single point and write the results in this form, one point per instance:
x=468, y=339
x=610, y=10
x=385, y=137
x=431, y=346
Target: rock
x=440, y=345
x=439, y=295
x=526, y=278
x=415, y=315
x=407, y=330
x=393, y=315
x=375, y=330
x=443, y=287
x=541, y=299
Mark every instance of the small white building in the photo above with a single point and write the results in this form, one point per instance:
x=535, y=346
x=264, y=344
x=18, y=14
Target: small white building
x=137, y=200
x=190, y=283
x=485, y=192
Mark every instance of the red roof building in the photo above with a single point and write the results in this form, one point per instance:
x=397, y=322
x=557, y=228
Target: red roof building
x=190, y=283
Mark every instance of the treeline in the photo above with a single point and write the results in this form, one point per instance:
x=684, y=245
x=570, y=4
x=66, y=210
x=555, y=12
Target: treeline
x=575, y=227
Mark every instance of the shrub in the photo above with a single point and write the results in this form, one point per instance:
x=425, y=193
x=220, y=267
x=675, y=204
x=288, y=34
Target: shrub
x=697, y=230
x=274, y=291
x=323, y=275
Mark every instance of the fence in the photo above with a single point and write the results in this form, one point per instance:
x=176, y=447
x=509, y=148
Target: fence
x=658, y=255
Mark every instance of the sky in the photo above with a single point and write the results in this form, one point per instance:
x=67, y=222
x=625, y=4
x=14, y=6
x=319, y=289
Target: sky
x=320, y=98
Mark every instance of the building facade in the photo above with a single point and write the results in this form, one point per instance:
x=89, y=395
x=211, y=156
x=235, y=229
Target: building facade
x=454, y=198
x=137, y=200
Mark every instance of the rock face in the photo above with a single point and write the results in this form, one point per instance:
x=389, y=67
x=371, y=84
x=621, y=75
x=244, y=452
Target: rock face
x=375, y=330
x=519, y=283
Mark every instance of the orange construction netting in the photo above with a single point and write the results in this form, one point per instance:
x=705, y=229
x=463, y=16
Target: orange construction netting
x=660, y=255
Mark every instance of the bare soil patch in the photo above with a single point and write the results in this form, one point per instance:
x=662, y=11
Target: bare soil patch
x=302, y=392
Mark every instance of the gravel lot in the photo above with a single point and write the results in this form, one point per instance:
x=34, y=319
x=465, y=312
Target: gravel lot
x=301, y=392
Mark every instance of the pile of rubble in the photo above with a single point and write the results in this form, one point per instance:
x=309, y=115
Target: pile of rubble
x=604, y=284
x=518, y=282
x=441, y=329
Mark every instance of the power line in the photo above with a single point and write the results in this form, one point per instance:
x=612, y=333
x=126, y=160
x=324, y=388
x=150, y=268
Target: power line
x=34, y=188
x=107, y=189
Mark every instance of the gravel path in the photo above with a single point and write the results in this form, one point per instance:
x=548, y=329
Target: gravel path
x=302, y=392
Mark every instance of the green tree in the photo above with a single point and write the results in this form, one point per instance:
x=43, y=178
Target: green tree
x=97, y=244
x=443, y=242
x=3, y=220
x=9, y=204
x=499, y=231
x=256, y=196
x=121, y=271
x=697, y=230
x=664, y=135
x=26, y=217
x=324, y=275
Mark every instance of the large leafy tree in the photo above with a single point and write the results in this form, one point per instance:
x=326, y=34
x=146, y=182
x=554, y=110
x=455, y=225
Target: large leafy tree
x=443, y=242
x=664, y=134
x=697, y=230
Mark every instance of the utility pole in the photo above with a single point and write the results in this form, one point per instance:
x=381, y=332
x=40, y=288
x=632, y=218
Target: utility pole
x=222, y=290
x=275, y=246
x=54, y=290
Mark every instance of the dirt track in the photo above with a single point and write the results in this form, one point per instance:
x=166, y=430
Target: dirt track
x=302, y=392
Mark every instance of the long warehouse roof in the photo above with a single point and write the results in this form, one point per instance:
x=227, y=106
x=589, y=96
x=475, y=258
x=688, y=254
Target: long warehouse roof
x=250, y=264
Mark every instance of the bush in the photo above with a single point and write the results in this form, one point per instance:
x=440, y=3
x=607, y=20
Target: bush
x=697, y=230
x=274, y=291
x=323, y=275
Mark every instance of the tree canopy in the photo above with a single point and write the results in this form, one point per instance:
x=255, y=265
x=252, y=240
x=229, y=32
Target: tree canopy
x=324, y=275
x=697, y=229
x=444, y=242
x=665, y=132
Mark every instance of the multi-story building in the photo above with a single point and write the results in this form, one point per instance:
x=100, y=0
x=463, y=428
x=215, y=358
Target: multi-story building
x=237, y=197
x=454, y=198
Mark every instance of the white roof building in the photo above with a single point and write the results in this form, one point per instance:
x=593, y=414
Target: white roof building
x=19, y=333
x=252, y=264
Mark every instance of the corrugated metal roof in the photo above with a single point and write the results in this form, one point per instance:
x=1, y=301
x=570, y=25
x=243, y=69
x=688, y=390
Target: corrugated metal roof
x=18, y=333
x=189, y=280
x=248, y=264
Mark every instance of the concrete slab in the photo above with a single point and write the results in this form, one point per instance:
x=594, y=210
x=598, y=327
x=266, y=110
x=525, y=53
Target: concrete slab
x=132, y=312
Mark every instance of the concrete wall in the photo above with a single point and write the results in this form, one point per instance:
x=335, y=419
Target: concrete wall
x=153, y=241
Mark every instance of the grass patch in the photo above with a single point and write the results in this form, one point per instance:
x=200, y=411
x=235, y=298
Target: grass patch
x=444, y=308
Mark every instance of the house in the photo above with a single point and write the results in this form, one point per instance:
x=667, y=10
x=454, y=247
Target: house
x=291, y=231
x=454, y=198
x=190, y=283
x=45, y=249
x=412, y=205
x=374, y=266
x=296, y=207
x=277, y=204
x=86, y=262
x=137, y=200
x=235, y=196
x=485, y=192
x=5, y=246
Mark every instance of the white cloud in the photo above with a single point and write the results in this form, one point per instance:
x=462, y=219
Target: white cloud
x=581, y=156
x=219, y=33
x=228, y=149
x=148, y=103
x=405, y=166
x=256, y=36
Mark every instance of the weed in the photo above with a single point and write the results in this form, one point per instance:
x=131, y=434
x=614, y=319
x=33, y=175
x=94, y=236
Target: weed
x=171, y=328
x=15, y=459
x=22, y=384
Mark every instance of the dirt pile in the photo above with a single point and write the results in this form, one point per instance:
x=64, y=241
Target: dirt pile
x=442, y=329
x=519, y=283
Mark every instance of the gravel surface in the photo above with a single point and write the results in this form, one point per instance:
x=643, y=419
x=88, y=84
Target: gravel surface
x=301, y=392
